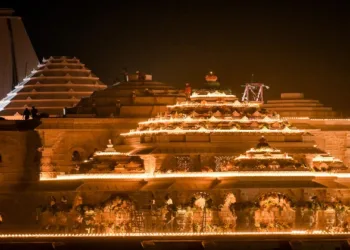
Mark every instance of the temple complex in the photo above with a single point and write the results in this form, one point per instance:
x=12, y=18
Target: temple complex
x=185, y=171
x=16, y=51
x=55, y=84
x=199, y=163
x=142, y=161
x=295, y=105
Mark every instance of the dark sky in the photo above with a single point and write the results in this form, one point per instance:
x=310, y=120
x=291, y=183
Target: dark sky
x=292, y=46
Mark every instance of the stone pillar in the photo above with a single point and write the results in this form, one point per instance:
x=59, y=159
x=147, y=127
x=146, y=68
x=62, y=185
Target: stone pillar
x=46, y=167
x=159, y=159
x=149, y=163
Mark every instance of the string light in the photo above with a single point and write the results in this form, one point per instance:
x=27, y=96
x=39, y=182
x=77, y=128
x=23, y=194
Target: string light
x=203, y=130
x=195, y=120
x=327, y=158
x=262, y=157
x=212, y=175
x=194, y=104
x=177, y=234
x=213, y=94
x=102, y=153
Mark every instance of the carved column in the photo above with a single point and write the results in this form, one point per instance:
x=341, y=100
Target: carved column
x=149, y=163
x=46, y=167
x=159, y=159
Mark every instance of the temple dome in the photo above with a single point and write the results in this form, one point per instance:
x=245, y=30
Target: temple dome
x=56, y=83
x=139, y=96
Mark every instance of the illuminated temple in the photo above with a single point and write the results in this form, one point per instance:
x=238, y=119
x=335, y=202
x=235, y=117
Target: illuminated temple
x=143, y=159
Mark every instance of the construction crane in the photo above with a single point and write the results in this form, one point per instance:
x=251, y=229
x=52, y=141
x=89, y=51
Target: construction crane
x=254, y=91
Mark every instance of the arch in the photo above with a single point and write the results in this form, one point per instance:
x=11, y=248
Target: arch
x=76, y=156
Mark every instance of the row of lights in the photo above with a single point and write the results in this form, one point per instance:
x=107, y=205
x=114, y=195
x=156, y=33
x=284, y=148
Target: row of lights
x=286, y=130
x=315, y=119
x=193, y=104
x=213, y=118
x=178, y=234
x=146, y=176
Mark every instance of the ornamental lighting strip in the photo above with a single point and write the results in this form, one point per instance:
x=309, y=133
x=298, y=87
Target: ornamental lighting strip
x=191, y=120
x=178, y=234
x=262, y=157
x=149, y=176
x=315, y=119
x=103, y=153
x=319, y=158
x=214, y=94
x=263, y=150
x=179, y=131
x=196, y=105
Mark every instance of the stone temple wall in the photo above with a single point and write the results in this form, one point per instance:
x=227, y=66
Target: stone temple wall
x=21, y=153
x=60, y=138
x=337, y=143
x=19, y=157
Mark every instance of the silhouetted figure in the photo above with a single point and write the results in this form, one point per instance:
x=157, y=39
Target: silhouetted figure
x=53, y=205
x=118, y=106
x=26, y=114
x=34, y=113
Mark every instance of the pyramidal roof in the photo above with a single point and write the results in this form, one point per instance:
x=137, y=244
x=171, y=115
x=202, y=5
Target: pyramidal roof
x=56, y=83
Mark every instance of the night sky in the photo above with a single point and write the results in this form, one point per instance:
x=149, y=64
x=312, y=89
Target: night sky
x=292, y=46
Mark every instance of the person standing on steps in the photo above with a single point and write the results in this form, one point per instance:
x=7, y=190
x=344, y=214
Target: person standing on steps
x=26, y=114
x=34, y=113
